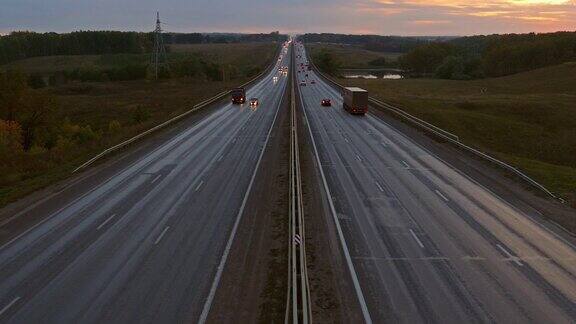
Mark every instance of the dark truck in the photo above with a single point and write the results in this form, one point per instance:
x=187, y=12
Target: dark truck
x=355, y=100
x=238, y=95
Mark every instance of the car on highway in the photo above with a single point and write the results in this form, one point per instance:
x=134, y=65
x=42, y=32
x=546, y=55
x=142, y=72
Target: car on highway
x=326, y=102
x=303, y=83
x=275, y=79
x=254, y=102
x=313, y=82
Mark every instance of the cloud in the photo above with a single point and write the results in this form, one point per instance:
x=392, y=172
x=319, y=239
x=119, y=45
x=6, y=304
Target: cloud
x=398, y=17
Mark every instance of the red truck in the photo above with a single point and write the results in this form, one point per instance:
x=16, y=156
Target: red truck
x=355, y=100
x=238, y=95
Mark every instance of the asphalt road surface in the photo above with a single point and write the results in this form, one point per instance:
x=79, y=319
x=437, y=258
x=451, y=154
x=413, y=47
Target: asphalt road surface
x=144, y=245
x=428, y=244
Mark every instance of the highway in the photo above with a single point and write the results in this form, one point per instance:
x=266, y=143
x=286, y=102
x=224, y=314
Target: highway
x=145, y=244
x=427, y=243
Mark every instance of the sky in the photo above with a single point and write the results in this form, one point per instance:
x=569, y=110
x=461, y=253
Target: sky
x=383, y=17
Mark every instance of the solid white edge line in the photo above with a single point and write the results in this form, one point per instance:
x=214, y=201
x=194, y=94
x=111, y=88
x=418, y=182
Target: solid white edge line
x=216, y=282
x=161, y=235
x=416, y=238
x=441, y=195
x=379, y=186
x=156, y=178
x=524, y=213
x=519, y=210
x=353, y=274
x=10, y=304
x=105, y=222
x=199, y=185
x=512, y=257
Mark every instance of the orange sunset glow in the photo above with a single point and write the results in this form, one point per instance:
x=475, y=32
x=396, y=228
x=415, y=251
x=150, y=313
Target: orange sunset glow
x=385, y=17
x=457, y=17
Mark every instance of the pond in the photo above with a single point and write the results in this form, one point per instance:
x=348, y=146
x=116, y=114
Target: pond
x=372, y=74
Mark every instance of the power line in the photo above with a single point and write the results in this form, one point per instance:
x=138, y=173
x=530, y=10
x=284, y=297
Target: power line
x=159, y=55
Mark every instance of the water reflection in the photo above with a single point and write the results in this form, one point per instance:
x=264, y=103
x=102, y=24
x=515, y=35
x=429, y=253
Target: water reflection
x=391, y=76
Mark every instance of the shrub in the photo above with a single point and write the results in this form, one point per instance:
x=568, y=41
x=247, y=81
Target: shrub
x=187, y=67
x=36, y=81
x=63, y=146
x=140, y=114
x=77, y=134
x=381, y=61
x=212, y=71
x=37, y=150
x=85, y=134
x=10, y=137
x=114, y=126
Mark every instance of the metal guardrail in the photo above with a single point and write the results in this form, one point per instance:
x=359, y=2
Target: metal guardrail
x=196, y=107
x=298, y=290
x=453, y=139
x=414, y=119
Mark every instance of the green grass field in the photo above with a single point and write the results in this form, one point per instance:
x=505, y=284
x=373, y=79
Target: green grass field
x=237, y=54
x=97, y=104
x=353, y=57
x=240, y=54
x=527, y=119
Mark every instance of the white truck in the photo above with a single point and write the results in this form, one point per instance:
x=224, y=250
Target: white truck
x=355, y=100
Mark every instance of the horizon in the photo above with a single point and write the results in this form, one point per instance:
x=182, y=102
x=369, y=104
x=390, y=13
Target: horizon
x=283, y=33
x=357, y=17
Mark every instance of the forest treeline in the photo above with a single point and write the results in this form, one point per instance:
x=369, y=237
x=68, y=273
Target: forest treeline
x=394, y=44
x=22, y=45
x=461, y=58
x=490, y=56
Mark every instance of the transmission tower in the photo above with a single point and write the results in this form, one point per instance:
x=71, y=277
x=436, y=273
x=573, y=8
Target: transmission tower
x=159, y=55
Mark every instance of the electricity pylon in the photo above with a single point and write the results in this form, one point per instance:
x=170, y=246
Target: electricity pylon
x=159, y=55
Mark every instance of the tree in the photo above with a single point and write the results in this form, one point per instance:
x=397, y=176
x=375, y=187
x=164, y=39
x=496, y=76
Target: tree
x=35, y=115
x=326, y=62
x=425, y=59
x=451, y=68
x=32, y=110
x=14, y=87
x=10, y=137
